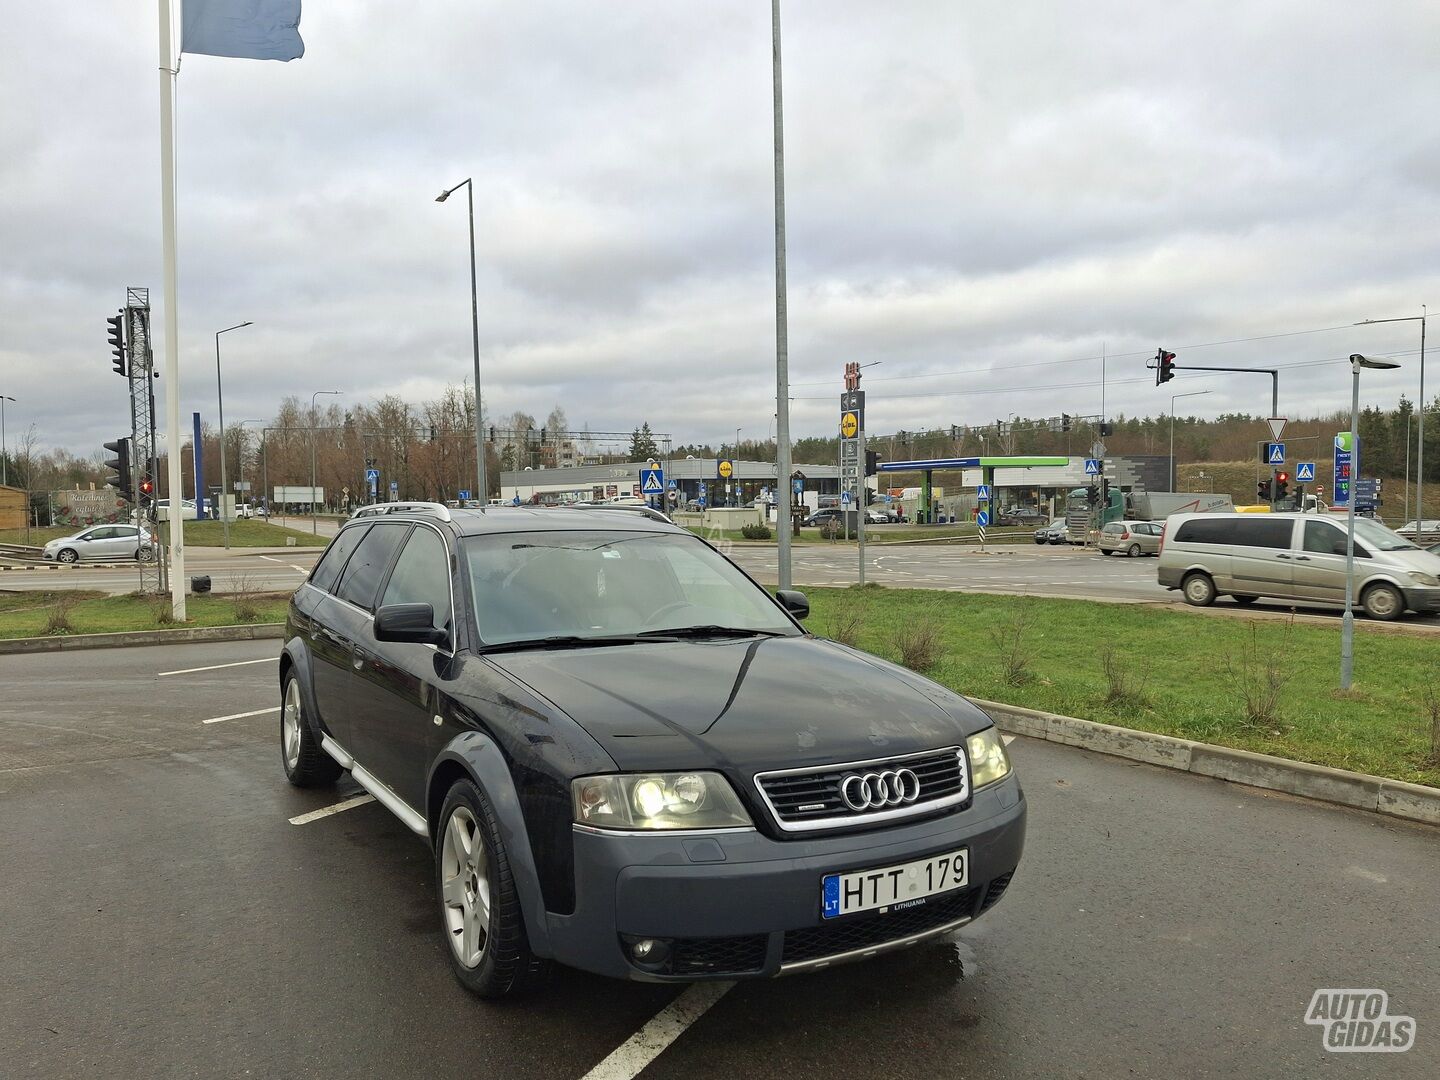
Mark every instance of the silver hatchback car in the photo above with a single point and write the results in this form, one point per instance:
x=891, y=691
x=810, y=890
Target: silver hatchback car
x=102, y=542
x=1134, y=538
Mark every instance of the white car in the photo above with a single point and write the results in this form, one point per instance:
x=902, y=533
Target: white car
x=187, y=510
x=102, y=542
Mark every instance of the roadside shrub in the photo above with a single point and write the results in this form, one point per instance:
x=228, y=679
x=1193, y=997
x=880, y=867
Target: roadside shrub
x=919, y=643
x=755, y=532
x=1260, y=673
x=160, y=609
x=1432, y=711
x=245, y=598
x=57, y=619
x=1010, y=641
x=845, y=627
x=1122, y=689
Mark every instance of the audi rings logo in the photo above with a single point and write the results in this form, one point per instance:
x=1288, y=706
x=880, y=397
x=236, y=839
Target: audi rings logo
x=875, y=791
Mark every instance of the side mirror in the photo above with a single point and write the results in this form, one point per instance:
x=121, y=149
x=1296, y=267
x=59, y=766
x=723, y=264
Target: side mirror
x=793, y=601
x=409, y=622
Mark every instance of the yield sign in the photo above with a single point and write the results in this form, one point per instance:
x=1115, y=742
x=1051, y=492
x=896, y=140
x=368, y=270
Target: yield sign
x=1277, y=425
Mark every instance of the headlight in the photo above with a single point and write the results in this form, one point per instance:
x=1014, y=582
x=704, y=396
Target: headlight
x=988, y=760
x=691, y=800
x=1424, y=579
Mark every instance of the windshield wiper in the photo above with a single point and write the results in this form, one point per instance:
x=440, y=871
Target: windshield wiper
x=569, y=641
x=708, y=631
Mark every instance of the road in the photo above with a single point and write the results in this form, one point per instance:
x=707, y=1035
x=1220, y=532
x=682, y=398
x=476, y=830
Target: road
x=163, y=918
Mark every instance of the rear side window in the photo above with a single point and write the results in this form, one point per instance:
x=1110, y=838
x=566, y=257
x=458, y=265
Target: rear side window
x=422, y=576
x=1238, y=530
x=367, y=566
x=327, y=570
x=1114, y=528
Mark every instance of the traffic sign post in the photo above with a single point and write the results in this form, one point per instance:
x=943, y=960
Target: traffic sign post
x=464, y=494
x=652, y=482
x=1092, y=467
x=1275, y=453
x=852, y=466
x=1304, y=472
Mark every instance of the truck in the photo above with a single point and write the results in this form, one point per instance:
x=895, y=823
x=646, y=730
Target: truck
x=1158, y=505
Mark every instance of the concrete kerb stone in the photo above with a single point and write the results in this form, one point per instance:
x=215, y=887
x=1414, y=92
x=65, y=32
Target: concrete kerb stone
x=178, y=636
x=1414, y=802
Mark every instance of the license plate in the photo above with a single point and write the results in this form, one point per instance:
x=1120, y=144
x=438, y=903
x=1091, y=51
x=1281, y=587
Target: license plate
x=900, y=886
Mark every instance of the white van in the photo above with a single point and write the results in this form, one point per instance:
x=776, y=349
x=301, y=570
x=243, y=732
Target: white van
x=1296, y=557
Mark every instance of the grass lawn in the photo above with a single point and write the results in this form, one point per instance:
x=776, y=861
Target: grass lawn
x=247, y=532
x=1191, y=672
x=25, y=614
x=39, y=535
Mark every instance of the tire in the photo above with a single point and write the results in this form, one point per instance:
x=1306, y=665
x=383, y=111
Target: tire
x=145, y=554
x=1041, y=541
x=69, y=556
x=1198, y=590
x=306, y=765
x=489, y=951
x=1383, y=602
x=1133, y=551
x=1245, y=600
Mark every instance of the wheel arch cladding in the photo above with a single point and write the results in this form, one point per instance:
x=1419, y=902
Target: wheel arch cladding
x=474, y=756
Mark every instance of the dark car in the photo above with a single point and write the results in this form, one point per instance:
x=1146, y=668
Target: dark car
x=824, y=516
x=608, y=735
x=1023, y=515
x=1054, y=533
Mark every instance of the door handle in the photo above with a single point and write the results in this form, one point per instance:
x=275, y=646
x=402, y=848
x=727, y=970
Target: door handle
x=1282, y=556
x=1302, y=558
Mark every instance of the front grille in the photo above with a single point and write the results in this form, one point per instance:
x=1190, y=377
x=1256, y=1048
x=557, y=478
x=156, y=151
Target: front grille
x=864, y=931
x=717, y=956
x=810, y=799
x=996, y=890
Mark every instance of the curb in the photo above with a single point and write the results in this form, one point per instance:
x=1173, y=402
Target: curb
x=180, y=635
x=1396, y=798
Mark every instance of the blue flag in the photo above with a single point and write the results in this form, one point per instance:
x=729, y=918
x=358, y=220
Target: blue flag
x=247, y=29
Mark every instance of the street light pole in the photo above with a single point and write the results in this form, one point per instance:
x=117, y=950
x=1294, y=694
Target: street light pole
x=4, y=454
x=220, y=396
x=480, y=492
x=782, y=327
x=1347, y=622
x=1192, y=393
x=314, y=521
x=1420, y=436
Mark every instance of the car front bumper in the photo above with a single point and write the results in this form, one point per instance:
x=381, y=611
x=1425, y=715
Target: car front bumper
x=1422, y=598
x=742, y=905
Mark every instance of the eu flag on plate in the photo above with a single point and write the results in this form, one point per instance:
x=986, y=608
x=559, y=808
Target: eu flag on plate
x=247, y=29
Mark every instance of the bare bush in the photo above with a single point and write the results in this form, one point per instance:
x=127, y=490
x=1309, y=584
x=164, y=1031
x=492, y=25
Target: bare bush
x=846, y=625
x=57, y=618
x=1260, y=673
x=919, y=643
x=160, y=608
x=245, y=595
x=1431, y=699
x=1122, y=688
x=1009, y=638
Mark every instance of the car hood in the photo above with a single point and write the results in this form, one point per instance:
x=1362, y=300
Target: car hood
x=1419, y=560
x=744, y=704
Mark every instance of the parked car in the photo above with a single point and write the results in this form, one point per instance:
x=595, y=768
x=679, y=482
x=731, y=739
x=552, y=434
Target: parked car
x=1054, y=533
x=188, y=511
x=1429, y=527
x=821, y=517
x=118, y=541
x=1023, y=515
x=1296, y=557
x=565, y=819
x=1134, y=538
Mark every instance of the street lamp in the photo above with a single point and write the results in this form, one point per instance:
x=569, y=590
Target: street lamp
x=1192, y=393
x=220, y=394
x=1420, y=452
x=4, y=457
x=314, y=522
x=480, y=492
x=1347, y=623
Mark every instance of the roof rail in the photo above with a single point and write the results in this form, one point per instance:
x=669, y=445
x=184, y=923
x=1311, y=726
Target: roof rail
x=631, y=508
x=440, y=510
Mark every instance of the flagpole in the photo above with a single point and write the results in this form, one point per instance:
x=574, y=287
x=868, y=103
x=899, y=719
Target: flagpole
x=172, y=337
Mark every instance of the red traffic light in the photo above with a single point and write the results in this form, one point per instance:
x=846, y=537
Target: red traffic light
x=147, y=486
x=1282, y=477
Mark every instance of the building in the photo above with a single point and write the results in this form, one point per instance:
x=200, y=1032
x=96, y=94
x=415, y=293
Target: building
x=590, y=483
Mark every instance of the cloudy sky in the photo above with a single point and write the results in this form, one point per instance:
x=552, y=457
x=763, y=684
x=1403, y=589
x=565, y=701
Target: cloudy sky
x=982, y=195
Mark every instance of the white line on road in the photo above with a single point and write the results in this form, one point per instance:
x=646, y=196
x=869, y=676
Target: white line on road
x=271, y=558
x=217, y=667
x=326, y=811
x=239, y=715
x=302, y=569
x=630, y=1057
x=1007, y=739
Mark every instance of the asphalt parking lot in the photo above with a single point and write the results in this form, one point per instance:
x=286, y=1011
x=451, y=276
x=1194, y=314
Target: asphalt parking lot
x=164, y=917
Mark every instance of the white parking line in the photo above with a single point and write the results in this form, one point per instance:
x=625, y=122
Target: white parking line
x=239, y=715
x=302, y=569
x=217, y=667
x=271, y=558
x=631, y=1056
x=326, y=811
x=1006, y=739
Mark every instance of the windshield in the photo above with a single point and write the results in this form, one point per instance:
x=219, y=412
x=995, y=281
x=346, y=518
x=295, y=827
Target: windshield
x=603, y=584
x=1378, y=538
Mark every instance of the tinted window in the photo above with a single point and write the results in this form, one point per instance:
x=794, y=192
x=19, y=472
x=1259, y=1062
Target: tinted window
x=367, y=566
x=1114, y=528
x=327, y=570
x=422, y=576
x=1250, y=532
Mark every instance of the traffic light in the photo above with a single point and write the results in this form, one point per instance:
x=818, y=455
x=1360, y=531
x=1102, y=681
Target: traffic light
x=872, y=462
x=542, y=436
x=1262, y=491
x=117, y=343
x=492, y=432
x=1093, y=493
x=1065, y=421
x=121, y=464
x=1282, y=485
x=1107, y=428
x=1164, y=366
x=147, y=490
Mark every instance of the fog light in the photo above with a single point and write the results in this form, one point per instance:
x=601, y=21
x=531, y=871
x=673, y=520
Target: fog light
x=644, y=948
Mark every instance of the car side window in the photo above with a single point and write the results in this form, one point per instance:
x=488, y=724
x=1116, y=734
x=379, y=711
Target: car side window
x=1322, y=538
x=422, y=576
x=327, y=570
x=103, y=533
x=363, y=573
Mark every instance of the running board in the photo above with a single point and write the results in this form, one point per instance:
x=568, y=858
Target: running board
x=412, y=820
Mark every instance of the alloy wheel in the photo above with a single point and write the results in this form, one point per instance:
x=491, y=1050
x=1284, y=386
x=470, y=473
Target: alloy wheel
x=290, y=725
x=465, y=887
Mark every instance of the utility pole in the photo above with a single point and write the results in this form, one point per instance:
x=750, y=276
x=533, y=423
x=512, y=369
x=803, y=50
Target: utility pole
x=782, y=344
